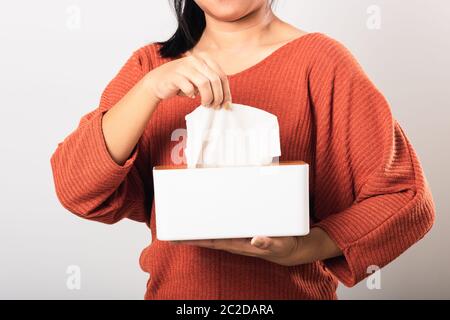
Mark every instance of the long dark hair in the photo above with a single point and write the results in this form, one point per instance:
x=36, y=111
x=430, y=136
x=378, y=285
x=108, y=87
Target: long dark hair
x=191, y=24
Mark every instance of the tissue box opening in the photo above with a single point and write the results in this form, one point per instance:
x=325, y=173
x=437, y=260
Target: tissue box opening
x=231, y=202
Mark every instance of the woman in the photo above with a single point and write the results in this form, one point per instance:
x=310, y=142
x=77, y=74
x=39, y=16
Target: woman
x=369, y=197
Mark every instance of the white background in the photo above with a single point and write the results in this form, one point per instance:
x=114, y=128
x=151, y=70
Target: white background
x=52, y=73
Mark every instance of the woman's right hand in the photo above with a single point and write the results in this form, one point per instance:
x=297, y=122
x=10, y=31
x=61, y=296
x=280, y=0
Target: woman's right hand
x=125, y=122
x=189, y=76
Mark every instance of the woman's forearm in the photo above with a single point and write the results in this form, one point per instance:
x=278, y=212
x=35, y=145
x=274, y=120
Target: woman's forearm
x=125, y=122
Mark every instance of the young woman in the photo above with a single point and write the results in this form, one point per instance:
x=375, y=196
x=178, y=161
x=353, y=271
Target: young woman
x=369, y=196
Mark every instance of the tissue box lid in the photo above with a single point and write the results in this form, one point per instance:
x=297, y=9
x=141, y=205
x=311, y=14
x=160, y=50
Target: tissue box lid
x=183, y=166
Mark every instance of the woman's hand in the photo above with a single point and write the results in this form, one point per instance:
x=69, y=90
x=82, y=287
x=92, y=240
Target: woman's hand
x=286, y=251
x=188, y=76
x=125, y=122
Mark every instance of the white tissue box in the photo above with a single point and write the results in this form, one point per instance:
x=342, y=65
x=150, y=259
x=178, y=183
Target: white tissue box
x=231, y=202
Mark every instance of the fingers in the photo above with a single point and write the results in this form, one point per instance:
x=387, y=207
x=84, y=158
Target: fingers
x=210, y=81
x=214, y=80
x=281, y=250
x=279, y=246
x=262, y=242
x=236, y=246
x=186, y=87
x=224, y=81
x=201, y=82
x=218, y=244
x=200, y=243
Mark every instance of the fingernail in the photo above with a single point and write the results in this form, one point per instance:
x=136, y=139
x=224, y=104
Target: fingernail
x=257, y=242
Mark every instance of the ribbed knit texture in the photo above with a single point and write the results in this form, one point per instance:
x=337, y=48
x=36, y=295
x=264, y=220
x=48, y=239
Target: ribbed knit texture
x=368, y=191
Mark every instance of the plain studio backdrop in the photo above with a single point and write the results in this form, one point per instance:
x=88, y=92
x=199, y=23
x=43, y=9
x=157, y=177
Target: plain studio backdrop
x=56, y=57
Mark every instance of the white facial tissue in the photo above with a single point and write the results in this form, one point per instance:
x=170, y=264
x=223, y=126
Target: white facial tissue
x=239, y=136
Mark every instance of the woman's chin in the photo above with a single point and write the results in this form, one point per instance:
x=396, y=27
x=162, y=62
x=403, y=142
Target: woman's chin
x=226, y=14
x=229, y=10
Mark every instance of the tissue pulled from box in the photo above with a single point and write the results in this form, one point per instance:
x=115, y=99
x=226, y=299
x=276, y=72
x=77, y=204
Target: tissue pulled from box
x=239, y=136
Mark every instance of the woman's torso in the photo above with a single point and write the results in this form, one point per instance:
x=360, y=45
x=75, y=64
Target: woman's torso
x=279, y=85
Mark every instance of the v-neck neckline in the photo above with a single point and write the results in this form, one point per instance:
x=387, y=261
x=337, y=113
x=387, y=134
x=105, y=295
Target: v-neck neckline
x=271, y=56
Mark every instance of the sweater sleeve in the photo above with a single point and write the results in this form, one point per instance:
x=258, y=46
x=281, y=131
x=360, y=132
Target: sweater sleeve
x=88, y=182
x=371, y=196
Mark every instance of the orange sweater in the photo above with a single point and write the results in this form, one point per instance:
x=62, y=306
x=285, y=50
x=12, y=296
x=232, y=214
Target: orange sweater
x=368, y=190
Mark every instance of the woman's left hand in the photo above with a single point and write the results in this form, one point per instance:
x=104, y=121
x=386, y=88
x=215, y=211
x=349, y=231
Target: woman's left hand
x=286, y=251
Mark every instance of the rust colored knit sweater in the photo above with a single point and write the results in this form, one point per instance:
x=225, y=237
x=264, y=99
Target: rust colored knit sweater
x=368, y=190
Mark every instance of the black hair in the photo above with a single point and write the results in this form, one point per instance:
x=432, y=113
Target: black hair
x=191, y=24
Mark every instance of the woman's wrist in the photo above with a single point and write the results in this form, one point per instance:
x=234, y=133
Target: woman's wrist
x=316, y=246
x=148, y=83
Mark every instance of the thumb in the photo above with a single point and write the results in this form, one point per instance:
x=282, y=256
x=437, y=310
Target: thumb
x=264, y=243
